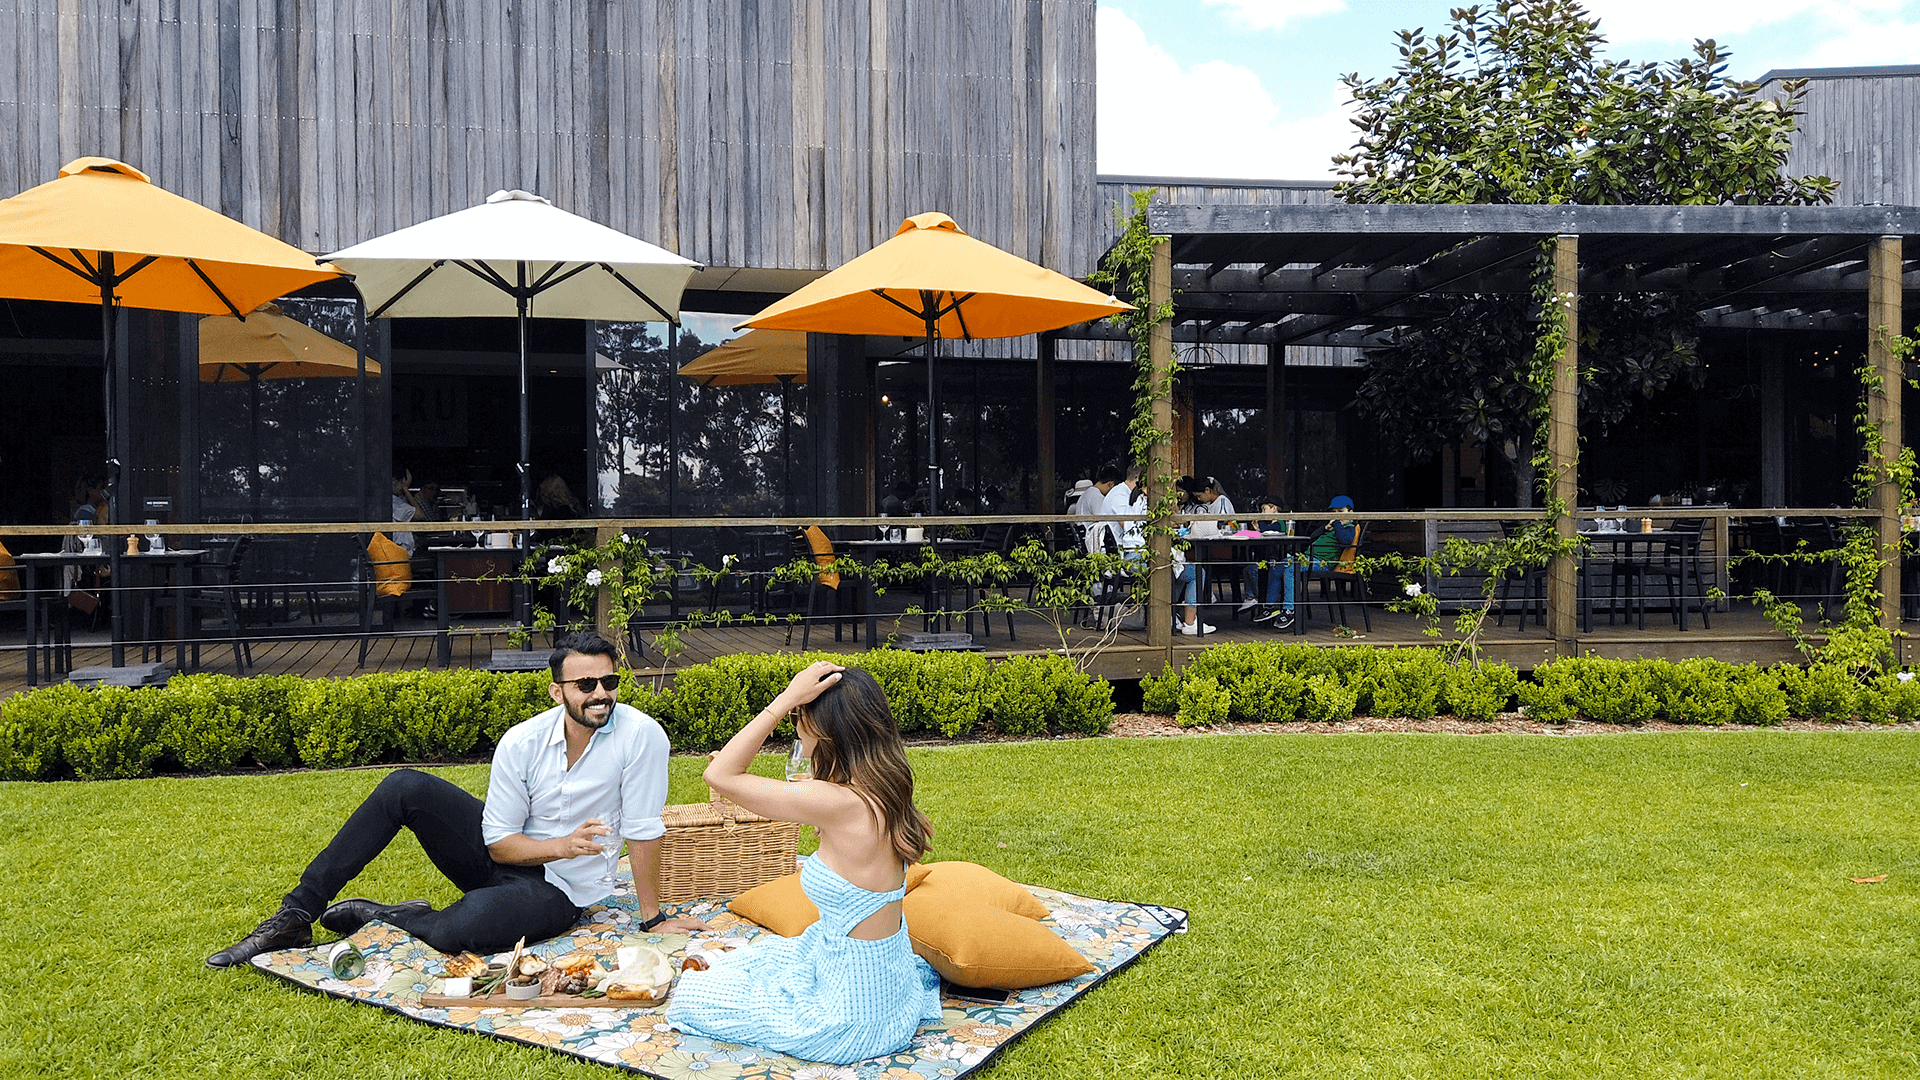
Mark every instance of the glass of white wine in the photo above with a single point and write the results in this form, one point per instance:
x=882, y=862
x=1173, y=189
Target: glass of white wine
x=610, y=844
x=799, y=765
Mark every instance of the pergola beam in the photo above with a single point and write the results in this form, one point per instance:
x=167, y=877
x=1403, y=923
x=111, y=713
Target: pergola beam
x=1885, y=321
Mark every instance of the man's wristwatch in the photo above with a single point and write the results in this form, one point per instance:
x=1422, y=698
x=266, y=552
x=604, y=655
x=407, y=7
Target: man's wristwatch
x=658, y=918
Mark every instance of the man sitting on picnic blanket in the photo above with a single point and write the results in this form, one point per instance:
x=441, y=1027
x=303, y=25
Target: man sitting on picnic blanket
x=527, y=858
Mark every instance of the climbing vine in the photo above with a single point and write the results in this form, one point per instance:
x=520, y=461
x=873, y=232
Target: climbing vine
x=1125, y=271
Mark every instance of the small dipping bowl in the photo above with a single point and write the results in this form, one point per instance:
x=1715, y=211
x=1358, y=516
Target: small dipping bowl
x=528, y=992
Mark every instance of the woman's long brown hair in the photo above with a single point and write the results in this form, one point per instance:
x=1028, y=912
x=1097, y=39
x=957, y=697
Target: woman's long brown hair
x=857, y=743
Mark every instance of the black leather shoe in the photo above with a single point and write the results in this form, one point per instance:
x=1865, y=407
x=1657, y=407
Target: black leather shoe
x=346, y=916
x=288, y=928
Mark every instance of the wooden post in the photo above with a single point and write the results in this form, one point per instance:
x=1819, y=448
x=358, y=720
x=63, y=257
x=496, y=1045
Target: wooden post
x=603, y=599
x=1563, y=448
x=1043, y=415
x=1884, y=323
x=1276, y=419
x=1160, y=459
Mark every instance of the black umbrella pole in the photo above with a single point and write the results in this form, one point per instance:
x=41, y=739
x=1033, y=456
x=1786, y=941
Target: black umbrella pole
x=933, y=411
x=524, y=604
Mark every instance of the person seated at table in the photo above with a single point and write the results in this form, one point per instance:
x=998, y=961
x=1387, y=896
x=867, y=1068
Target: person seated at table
x=1091, y=502
x=895, y=504
x=1189, y=579
x=405, y=506
x=553, y=500
x=1206, y=498
x=1271, y=520
x=1322, y=554
x=428, y=500
x=849, y=987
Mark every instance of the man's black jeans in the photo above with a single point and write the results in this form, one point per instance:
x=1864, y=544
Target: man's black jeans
x=502, y=903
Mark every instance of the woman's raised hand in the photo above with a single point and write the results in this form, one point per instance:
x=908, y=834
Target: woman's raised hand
x=814, y=679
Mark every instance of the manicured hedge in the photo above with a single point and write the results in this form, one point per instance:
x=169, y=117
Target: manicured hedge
x=1273, y=682
x=218, y=723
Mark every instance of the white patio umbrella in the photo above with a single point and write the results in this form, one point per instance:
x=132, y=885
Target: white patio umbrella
x=516, y=254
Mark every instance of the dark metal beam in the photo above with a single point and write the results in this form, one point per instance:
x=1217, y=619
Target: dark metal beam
x=1191, y=222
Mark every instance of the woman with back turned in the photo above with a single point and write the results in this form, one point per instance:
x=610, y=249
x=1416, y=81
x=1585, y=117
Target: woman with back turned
x=850, y=987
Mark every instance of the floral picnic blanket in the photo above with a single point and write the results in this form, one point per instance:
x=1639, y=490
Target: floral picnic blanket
x=401, y=968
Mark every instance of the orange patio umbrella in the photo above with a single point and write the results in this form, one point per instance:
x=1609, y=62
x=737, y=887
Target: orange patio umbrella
x=269, y=345
x=102, y=232
x=934, y=280
x=756, y=358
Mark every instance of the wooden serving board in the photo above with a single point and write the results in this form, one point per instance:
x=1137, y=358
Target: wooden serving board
x=545, y=1001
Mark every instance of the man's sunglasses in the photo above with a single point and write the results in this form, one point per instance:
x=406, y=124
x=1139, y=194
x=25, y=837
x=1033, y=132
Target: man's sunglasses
x=586, y=685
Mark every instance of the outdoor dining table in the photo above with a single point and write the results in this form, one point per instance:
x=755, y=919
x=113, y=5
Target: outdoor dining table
x=1269, y=547
x=473, y=591
x=899, y=551
x=175, y=563
x=1621, y=547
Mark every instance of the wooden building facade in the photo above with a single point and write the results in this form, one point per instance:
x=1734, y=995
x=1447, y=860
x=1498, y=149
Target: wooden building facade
x=785, y=135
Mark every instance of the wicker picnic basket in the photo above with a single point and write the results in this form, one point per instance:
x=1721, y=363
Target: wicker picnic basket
x=718, y=850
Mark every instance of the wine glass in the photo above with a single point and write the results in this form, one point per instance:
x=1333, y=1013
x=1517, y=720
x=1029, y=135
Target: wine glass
x=610, y=844
x=799, y=765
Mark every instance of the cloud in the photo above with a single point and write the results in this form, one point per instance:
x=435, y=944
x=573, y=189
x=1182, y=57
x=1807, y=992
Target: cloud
x=1276, y=14
x=1157, y=118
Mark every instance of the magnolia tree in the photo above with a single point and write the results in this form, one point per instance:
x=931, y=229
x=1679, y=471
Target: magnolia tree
x=1515, y=104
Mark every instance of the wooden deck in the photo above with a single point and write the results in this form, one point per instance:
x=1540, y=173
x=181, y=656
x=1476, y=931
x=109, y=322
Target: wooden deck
x=1739, y=635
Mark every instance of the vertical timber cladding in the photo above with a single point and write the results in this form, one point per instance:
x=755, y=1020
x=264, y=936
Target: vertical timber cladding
x=788, y=134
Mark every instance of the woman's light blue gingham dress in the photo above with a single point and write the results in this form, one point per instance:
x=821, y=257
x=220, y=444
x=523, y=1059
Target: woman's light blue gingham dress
x=822, y=996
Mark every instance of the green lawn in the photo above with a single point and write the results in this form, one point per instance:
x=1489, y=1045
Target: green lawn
x=1363, y=906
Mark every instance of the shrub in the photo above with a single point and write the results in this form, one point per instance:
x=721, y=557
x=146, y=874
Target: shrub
x=1480, y=693
x=516, y=696
x=1085, y=703
x=1023, y=695
x=1891, y=699
x=267, y=701
x=1822, y=692
x=433, y=712
x=1328, y=700
x=1695, y=691
x=1408, y=682
x=33, y=728
x=1758, y=697
x=1548, y=698
x=115, y=734
x=336, y=723
x=1160, y=694
x=206, y=724
x=1357, y=667
x=944, y=692
x=1203, y=701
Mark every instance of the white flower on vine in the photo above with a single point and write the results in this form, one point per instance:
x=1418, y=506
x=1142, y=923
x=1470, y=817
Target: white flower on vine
x=623, y=538
x=557, y=566
x=593, y=577
x=1413, y=588
x=1905, y=676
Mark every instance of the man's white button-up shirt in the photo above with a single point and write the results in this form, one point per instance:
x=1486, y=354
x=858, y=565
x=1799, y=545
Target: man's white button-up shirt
x=621, y=778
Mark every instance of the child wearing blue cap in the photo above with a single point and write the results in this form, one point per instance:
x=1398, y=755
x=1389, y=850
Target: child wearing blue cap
x=1322, y=554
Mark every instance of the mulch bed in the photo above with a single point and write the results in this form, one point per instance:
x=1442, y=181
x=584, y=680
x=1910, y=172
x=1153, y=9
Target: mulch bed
x=1135, y=725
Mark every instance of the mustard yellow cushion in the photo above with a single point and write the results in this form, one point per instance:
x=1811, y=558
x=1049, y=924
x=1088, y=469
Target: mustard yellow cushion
x=392, y=566
x=958, y=918
x=965, y=881
x=823, y=554
x=9, y=577
x=780, y=905
x=971, y=944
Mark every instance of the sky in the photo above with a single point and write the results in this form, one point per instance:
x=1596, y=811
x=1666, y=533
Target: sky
x=1250, y=89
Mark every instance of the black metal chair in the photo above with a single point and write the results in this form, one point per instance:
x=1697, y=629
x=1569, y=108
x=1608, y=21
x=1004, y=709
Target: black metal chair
x=1674, y=562
x=1338, y=583
x=222, y=595
x=998, y=538
x=823, y=598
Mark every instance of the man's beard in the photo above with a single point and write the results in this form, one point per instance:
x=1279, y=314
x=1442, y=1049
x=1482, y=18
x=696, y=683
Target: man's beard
x=588, y=720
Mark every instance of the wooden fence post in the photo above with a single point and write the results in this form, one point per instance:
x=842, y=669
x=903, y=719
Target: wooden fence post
x=1885, y=322
x=603, y=600
x=1563, y=449
x=1160, y=458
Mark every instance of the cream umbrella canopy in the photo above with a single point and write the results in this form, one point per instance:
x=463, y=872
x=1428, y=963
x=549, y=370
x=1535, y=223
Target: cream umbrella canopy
x=934, y=280
x=506, y=257
x=269, y=345
x=756, y=358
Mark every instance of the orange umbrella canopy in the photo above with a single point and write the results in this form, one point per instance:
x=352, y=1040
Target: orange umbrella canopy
x=269, y=345
x=754, y=358
x=168, y=253
x=973, y=290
